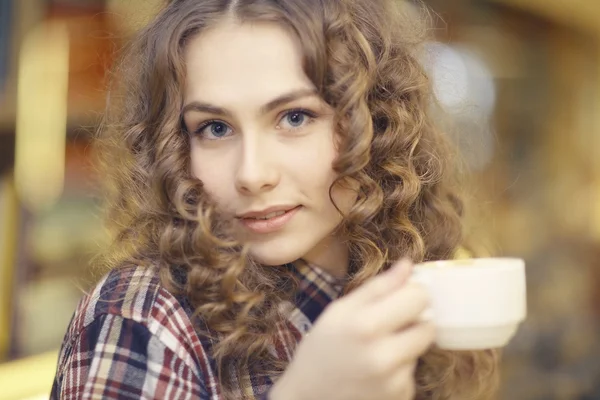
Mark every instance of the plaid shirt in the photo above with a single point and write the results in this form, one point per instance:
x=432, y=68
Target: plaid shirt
x=130, y=338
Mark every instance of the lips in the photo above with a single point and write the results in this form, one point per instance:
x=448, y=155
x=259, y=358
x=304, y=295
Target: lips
x=268, y=216
x=267, y=212
x=269, y=220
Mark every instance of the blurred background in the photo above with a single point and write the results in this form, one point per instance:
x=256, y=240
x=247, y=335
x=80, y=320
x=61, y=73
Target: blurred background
x=520, y=78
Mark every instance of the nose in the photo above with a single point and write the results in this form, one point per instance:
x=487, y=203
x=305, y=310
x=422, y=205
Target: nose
x=257, y=171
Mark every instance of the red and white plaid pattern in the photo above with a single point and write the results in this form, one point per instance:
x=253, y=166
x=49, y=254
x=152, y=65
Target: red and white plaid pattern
x=130, y=338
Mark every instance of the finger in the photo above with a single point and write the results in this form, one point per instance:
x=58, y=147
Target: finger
x=399, y=310
x=404, y=348
x=382, y=284
x=402, y=384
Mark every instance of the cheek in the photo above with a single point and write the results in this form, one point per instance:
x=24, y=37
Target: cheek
x=213, y=179
x=311, y=163
x=313, y=172
x=345, y=194
x=317, y=178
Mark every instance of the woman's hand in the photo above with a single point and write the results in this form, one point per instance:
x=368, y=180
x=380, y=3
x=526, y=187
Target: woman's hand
x=364, y=345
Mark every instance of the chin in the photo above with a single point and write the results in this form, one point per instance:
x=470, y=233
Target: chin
x=272, y=255
x=273, y=259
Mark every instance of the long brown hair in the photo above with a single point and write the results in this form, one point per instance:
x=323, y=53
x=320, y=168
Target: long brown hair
x=363, y=58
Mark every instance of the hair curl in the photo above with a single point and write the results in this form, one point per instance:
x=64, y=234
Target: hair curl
x=363, y=57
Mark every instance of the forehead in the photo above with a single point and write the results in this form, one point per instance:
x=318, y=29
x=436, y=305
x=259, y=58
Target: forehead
x=235, y=61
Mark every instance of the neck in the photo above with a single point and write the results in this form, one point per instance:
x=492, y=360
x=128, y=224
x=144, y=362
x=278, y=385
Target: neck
x=331, y=256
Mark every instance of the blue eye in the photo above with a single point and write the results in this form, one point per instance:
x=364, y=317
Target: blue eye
x=213, y=130
x=218, y=129
x=295, y=119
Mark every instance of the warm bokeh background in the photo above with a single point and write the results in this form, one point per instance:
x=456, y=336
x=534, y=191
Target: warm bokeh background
x=521, y=79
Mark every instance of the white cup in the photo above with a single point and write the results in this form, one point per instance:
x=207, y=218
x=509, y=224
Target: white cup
x=475, y=303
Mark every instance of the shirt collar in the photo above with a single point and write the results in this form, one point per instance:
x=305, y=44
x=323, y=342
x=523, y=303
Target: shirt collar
x=316, y=288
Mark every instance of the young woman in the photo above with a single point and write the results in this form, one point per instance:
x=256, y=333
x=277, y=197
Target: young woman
x=268, y=163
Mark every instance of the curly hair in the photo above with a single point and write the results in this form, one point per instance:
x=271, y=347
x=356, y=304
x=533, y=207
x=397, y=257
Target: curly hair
x=363, y=58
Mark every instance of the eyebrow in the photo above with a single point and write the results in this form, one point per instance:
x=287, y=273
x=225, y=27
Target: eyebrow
x=271, y=105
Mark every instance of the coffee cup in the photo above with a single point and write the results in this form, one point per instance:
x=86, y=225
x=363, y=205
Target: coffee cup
x=476, y=303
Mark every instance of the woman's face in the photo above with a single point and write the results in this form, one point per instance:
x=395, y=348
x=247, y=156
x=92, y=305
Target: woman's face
x=263, y=143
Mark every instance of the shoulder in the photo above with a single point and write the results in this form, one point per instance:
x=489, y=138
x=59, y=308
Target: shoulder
x=130, y=326
x=135, y=294
x=132, y=293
